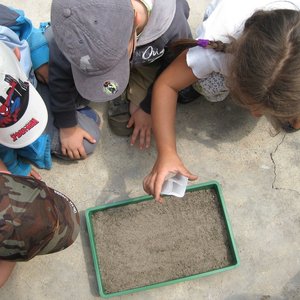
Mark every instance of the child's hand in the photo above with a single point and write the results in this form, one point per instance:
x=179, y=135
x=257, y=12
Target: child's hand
x=42, y=73
x=33, y=173
x=142, y=127
x=3, y=166
x=165, y=164
x=72, y=142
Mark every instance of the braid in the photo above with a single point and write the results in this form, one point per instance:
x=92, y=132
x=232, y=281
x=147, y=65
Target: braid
x=218, y=46
x=183, y=44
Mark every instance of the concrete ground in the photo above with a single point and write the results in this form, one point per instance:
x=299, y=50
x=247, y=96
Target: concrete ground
x=259, y=175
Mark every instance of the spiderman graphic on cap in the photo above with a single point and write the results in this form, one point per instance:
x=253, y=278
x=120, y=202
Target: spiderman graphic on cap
x=14, y=105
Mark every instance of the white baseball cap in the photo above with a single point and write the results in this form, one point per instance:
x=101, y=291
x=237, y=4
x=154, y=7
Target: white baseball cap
x=23, y=113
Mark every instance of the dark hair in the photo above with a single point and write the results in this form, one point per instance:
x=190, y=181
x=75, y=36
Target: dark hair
x=265, y=68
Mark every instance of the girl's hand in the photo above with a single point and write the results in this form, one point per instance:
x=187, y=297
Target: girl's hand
x=164, y=165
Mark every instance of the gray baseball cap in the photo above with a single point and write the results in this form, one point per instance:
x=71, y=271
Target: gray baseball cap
x=94, y=35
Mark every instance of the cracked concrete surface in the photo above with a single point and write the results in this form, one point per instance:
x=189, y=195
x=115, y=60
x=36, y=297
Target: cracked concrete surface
x=259, y=175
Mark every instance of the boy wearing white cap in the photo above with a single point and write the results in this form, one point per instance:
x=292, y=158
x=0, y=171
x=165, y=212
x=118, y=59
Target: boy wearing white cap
x=23, y=115
x=23, y=118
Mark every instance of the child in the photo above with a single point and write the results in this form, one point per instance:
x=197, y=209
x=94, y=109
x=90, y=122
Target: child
x=23, y=118
x=90, y=44
x=158, y=23
x=34, y=220
x=17, y=32
x=89, y=59
x=260, y=66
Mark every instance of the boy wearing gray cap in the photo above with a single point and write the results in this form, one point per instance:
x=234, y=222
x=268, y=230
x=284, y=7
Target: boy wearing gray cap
x=160, y=23
x=92, y=44
x=89, y=61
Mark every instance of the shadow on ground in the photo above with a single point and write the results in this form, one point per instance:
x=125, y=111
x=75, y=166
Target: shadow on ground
x=213, y=123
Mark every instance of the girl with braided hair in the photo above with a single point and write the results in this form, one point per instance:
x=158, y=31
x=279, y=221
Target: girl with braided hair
x=248, y=49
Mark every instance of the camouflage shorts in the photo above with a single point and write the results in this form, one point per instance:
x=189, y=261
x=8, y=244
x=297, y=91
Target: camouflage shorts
x=34, y=219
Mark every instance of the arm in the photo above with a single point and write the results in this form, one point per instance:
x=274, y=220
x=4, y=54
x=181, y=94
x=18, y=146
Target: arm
x=164, y=99
x=178, y=29
x=13, y=165
x=3, y=167
x=11, y=162
x=62, y=88
x=6, y=268
x=64, y=96
x=16, y=20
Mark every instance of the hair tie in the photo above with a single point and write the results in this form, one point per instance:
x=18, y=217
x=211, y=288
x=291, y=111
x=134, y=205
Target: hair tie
x=202, y=43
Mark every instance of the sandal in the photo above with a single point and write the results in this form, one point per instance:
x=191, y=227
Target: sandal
x=118, y=116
